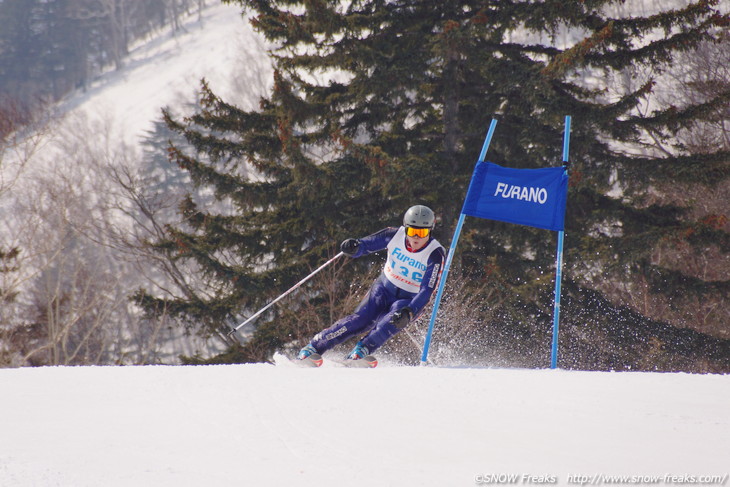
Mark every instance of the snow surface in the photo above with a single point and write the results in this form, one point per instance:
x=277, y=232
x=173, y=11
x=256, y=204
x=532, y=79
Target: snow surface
x=266, y=425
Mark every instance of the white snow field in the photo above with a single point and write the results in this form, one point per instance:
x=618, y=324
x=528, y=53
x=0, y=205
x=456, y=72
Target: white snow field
x=266, y=425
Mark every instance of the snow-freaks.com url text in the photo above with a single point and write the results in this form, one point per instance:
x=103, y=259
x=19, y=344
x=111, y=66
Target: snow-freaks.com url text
x=599, y=479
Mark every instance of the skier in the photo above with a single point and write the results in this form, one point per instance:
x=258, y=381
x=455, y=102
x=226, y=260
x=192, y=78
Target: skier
x=411, y=273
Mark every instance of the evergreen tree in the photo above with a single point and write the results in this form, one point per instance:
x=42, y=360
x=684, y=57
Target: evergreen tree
x=19, y=44
x=378, y=105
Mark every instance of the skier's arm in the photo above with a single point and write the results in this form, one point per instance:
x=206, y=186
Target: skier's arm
x=367, y=245
x=430, y=281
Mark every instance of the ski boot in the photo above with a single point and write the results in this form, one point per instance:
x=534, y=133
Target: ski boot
x=308, y=356
x=360, y=357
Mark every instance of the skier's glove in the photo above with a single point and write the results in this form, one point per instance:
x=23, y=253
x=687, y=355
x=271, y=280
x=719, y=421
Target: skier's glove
x=350, y=246
x=402, y=317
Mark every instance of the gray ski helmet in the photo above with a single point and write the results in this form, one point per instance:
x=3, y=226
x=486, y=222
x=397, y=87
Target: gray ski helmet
x=419, y=216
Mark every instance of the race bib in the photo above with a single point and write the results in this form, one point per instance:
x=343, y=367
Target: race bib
x=406, y=269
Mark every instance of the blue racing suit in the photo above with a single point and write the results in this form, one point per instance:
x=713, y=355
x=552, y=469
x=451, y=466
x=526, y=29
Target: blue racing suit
x=408, y=280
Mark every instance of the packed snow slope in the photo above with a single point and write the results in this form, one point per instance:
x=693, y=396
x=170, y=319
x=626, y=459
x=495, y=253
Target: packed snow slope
x=279, y=425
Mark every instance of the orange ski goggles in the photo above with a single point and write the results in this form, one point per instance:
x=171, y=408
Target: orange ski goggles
x=418, y=232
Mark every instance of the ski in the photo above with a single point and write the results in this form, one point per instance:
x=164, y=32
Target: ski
x=314, y=360
x=367, y=362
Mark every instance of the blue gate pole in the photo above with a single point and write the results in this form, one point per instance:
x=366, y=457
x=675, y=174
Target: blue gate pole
x=450, y=257
x=559, y=259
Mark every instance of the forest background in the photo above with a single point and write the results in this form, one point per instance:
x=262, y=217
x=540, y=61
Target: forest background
x=125, y=258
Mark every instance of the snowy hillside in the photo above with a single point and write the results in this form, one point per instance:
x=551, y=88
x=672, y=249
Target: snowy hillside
x=114, y=114
x=264, y=425
x=166, y=71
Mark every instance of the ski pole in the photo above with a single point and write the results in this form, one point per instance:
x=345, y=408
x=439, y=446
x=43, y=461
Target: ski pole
x=294, y=287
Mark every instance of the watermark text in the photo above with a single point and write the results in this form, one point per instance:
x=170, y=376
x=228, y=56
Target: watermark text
x=582, y=480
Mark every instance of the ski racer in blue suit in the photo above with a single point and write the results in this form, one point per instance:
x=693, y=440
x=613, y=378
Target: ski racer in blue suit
x=410, y=275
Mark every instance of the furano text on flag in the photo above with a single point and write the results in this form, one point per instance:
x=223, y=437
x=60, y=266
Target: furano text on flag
x=533, y=197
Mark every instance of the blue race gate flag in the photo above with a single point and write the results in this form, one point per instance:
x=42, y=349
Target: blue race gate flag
x=533, y=197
